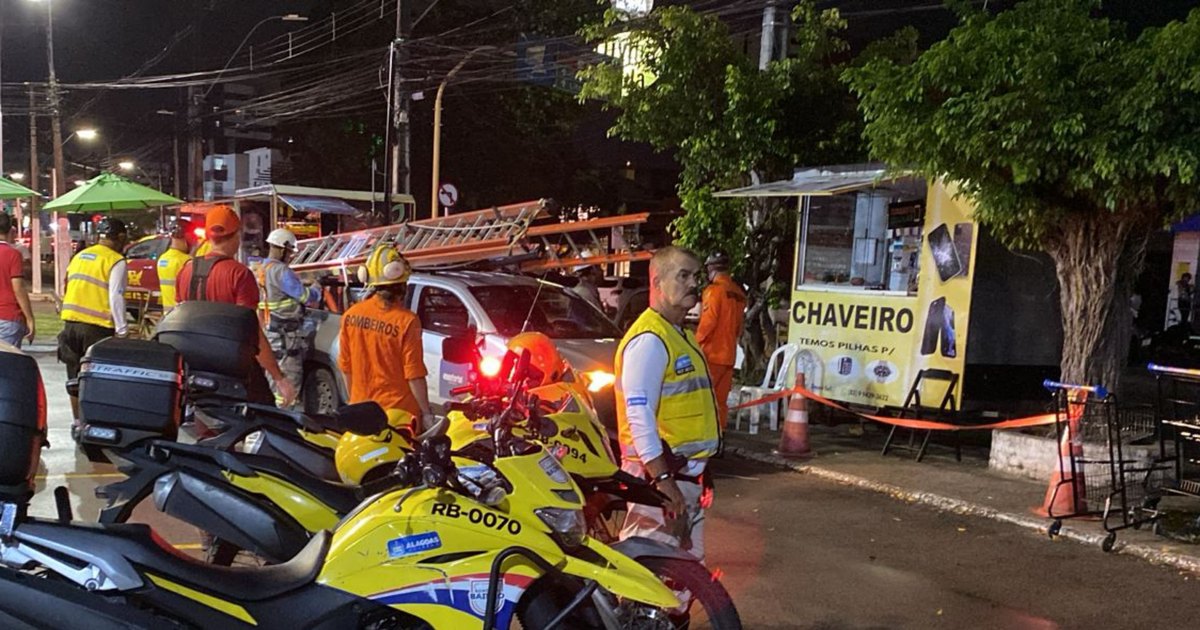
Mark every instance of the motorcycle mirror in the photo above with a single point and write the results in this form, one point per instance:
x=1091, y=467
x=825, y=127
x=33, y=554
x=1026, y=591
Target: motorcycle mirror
x=364, y=418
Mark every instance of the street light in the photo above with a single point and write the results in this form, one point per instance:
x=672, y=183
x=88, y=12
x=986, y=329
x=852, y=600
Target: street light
x=16, y=177
x=88, y=134
x=437, y=129
x=290, y=17
x=126, y=165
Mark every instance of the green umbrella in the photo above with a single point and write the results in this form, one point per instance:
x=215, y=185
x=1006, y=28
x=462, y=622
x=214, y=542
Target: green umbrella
x=109, y=191
x=12, y=190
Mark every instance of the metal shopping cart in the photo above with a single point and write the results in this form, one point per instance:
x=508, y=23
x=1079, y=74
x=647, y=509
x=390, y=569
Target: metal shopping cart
x=1178, y=412
x=1100, y=470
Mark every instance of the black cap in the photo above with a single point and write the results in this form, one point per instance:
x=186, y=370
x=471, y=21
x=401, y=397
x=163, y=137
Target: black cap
x=110, y=228
x=718, y=258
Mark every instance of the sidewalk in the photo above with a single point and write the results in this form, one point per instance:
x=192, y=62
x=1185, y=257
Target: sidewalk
x=966, y=487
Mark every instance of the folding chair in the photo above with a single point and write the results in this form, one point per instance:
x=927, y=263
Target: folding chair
x=914, y=408
x=779, y=366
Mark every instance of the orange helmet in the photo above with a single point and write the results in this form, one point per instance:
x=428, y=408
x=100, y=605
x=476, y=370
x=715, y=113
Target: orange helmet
x=543, y=355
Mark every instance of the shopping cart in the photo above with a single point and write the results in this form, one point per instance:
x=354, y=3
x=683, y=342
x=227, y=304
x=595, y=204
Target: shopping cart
x=1178, y=413
x=1096, y=464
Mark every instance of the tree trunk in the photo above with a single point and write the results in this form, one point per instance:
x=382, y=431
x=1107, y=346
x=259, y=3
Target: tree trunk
x=1097, y=261
x=759, y=335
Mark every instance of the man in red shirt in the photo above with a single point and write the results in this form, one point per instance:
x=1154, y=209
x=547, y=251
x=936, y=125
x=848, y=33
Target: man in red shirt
x=16, y=315
x=221, y=278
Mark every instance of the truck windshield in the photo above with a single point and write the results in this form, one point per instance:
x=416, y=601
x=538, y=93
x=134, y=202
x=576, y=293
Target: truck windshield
x=558, y=313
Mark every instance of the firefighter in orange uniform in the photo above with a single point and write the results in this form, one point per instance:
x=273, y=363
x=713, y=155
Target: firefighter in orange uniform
x=721, y=316
x=380, y=344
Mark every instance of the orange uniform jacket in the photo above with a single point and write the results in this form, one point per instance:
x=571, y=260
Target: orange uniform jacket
x=379, y=352
x=723, y=308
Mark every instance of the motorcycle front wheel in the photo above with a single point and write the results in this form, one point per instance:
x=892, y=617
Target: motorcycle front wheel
x=708, y=606
x=708, y=603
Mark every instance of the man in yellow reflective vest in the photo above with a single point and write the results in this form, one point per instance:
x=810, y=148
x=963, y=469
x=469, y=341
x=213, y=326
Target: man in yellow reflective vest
x=666, y=412
x=93, y=307
x=170, y=262
x=281, y=306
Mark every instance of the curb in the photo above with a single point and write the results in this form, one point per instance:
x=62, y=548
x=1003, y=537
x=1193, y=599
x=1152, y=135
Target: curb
x=967, y=508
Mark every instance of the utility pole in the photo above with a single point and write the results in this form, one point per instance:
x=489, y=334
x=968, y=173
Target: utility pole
x=401, y=150
x=195, y=146
x=2, y=117
x=35, y=242
x=55, y=127
x=773, y=41
x=175, y=160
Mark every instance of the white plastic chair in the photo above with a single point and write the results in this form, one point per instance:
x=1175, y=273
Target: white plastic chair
x=777, y=378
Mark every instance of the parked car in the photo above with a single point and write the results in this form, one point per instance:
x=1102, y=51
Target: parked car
x=498, y=306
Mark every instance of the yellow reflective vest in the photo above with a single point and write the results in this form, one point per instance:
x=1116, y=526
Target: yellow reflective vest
x=86, y=300
x=168, y=266
x=687, y=408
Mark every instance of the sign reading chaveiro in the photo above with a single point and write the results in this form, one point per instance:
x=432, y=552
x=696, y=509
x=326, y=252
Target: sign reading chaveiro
x=851, y=350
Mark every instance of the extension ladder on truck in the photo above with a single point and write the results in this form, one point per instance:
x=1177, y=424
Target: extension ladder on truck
x=481, y=235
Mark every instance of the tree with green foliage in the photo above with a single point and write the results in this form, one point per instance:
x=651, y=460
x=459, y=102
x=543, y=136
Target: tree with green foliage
x=1069, y=135
x=730, y=124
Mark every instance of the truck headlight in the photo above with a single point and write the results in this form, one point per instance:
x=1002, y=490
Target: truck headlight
x=568, y=525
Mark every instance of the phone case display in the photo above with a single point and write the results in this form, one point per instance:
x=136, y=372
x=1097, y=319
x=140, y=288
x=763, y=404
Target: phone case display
x=945, y=257
x=964, y=233
x=939, y=327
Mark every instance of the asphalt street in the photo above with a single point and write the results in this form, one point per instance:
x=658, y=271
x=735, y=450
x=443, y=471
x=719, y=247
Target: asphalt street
x=799, y=552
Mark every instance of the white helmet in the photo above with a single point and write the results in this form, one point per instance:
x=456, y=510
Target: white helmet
x=282, y=237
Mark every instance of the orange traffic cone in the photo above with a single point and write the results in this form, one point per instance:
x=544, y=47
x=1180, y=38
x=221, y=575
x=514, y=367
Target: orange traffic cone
x=793, y=441
x=1066, y=495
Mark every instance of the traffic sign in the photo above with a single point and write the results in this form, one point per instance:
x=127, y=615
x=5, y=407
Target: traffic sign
x=447, y=194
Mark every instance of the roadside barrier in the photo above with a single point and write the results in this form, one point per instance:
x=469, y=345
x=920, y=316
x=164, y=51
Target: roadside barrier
x=911, y=423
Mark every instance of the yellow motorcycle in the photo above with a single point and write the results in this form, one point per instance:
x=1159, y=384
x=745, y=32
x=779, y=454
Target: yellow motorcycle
x=556, y=411
x=430, y=552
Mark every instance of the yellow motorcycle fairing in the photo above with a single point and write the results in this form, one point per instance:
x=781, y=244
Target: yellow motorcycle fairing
x=429, y=552
x=309, y=512
x=324, y=439
x=581, y=443
x=357, y=455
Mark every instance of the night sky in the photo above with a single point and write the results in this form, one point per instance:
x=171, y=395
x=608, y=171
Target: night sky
x=105, y=40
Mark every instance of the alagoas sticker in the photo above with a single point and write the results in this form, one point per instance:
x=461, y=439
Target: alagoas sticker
x=417, y=543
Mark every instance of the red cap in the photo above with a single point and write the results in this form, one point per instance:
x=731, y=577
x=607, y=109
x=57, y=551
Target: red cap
x=222, y=221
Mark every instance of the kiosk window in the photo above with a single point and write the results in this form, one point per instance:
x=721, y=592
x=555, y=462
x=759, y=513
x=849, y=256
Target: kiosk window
x=846, y=241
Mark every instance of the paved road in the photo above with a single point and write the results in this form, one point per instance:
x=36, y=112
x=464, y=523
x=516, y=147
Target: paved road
x=803, y=553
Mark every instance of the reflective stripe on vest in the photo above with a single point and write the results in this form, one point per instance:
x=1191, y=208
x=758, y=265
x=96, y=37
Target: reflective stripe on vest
x=86, y=298
x=274, y=300
x=687, y=408
x=169, y=266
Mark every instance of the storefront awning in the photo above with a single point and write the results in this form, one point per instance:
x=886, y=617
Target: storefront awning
x=324, y=205
x=821, y=181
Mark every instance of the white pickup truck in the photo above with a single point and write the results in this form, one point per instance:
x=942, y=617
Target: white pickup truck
x=497, y=305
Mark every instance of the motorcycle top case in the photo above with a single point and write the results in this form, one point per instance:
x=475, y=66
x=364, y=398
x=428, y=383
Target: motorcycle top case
x=22, y=423
x=213, y=337
x=130, y=390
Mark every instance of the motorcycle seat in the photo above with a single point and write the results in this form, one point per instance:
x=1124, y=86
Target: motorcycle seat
x=124, y=544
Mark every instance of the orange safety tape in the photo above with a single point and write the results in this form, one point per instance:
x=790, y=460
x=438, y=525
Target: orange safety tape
x=910, y=423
